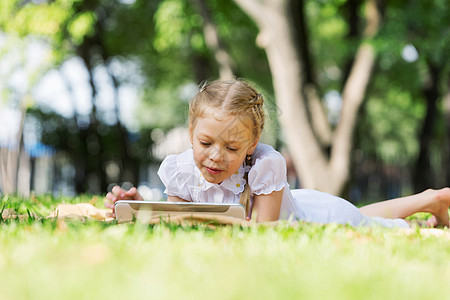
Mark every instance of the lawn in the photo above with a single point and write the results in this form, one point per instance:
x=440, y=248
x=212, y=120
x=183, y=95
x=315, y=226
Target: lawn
x=49, y=259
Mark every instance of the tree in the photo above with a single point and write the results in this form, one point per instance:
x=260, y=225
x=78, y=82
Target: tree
x=84, y=29
x=19, y=21
x=297, y=100
x=427, y=25
x=412, y=74
x=175, y=44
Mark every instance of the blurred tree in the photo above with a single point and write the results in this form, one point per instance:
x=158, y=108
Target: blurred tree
x=311, y=53
x=346, y=44
x=92, y=31
x=213, y=41
x=411, y=81
x=20, y=20
x=298, y=100
x=194, y=41
x=428, y=31
x=63, y=134
x=101, y=47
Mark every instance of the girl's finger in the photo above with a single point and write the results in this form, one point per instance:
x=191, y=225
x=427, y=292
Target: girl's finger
x=131, y=193
x=111, y=197
x=120, y=193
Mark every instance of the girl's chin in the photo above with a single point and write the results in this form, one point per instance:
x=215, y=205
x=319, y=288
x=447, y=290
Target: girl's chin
x=212, y=179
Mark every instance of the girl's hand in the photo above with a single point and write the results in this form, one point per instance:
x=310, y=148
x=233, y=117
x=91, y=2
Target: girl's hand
x=117, y=193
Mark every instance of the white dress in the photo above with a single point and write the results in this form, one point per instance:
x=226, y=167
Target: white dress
x=183, y=179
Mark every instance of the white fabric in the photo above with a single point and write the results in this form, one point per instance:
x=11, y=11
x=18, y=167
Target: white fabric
x=183, y=179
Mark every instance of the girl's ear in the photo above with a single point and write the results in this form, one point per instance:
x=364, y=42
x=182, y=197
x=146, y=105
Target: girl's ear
x=191, y=134
x=252, y=147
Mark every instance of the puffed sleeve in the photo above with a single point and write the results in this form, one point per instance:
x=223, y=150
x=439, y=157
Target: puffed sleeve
x=173, y=179
x=268, y=174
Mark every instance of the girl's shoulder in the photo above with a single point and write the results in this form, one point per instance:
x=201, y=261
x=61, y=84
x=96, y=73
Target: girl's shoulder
x=265, y=152
x=268, y=171
x=176, y=165
x=181, y=160
x=177, y=174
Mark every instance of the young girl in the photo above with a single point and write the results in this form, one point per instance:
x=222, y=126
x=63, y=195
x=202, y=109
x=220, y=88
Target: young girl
x=227, y=165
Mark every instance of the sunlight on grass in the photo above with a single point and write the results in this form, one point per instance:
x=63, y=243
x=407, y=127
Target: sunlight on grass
x=45, y=259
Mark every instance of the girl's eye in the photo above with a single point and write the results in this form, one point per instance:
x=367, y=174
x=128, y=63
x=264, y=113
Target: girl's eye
x=232, y=149
x=205, y=144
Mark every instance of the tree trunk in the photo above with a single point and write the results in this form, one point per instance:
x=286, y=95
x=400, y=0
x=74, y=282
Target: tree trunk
x=316, y=110
x=213, y=42
x=352, y=8
x=446, y=155
x=77, y=153
x=202, y=68
x=423, y=174
x=276, y=36
x=95, y=163
x=128, y=166
x=7, y=163
x=9, y=159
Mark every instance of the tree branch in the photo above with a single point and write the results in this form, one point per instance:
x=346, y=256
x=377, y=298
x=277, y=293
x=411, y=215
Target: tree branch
x=254, y=8
x=319, y=119
x=447, y=126
x=213, y=41
x=317, y=113
x=353, y=93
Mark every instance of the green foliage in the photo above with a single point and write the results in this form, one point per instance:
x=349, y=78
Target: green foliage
x=82, y=25
x=178, y=27
x=42, y=20
x=423, y=24
x=392, y=121
x=179, y=55
x=396, y=100
x=330, y=47
x=163, y=40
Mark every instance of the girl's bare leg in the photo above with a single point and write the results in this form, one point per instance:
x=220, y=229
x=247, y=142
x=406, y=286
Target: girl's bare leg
x=435, y=202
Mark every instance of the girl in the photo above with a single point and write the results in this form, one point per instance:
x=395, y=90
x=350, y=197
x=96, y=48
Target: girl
x=227, y=164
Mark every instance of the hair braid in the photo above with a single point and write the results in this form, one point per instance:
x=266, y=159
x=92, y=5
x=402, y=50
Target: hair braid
x=237, y=98
x=245, y=196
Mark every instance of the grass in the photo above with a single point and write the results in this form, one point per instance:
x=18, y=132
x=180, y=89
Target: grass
x=47, y=259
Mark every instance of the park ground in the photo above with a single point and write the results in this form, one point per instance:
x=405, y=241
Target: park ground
x=71, y=259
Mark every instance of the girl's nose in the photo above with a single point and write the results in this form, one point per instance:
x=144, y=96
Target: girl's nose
x=216, y=154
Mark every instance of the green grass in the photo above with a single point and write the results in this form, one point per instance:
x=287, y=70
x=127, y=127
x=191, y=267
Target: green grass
x=46, y=259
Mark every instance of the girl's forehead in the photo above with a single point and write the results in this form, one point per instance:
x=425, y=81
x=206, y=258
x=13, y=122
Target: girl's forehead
x=223, y=115
x=226, y=127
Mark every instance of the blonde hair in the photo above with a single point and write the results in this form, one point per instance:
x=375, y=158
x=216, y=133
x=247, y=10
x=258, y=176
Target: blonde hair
x=237, y=98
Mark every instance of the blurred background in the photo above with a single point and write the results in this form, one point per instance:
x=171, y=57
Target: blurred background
x=95, y=92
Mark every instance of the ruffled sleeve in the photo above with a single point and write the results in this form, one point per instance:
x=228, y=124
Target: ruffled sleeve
x=173, y=178
x=268, y=173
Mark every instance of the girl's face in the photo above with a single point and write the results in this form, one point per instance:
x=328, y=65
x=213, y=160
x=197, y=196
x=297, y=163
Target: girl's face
x=220, y=145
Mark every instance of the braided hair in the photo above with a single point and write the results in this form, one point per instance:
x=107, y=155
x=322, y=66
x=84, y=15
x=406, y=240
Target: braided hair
x=237, y=98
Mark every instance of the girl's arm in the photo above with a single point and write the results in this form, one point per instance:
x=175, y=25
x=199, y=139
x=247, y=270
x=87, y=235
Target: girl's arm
x=268, y=206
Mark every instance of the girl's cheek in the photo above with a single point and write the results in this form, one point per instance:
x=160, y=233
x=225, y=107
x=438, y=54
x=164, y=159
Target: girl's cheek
x=232, y=158
x=201, y=155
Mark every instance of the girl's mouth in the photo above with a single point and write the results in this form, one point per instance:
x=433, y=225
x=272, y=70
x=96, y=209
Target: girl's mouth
x=213, y=171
